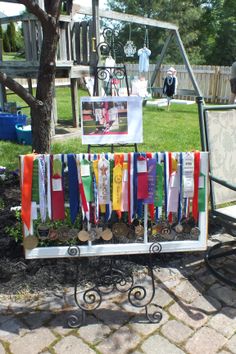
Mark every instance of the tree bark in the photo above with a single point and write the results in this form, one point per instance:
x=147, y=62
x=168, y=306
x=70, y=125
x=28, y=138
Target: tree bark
x=41, y=104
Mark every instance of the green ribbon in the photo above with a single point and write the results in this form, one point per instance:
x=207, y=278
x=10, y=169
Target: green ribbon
x=159, y=186
x=35, y=182
x=87, y=182
x=202, y=194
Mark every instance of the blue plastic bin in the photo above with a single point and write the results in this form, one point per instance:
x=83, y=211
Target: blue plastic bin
x=7, y=125
x=24, y=134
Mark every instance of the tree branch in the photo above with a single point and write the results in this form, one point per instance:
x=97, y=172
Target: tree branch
x=34, y=8
x=19, y=90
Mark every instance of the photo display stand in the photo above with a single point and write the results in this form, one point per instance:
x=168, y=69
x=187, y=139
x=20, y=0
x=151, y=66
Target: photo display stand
x=94, y=205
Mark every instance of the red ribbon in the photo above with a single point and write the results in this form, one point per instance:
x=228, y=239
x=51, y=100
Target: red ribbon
x=151, y=207
x=129, y=190
x=142, y=182
x=196, y=184
x=57, y=197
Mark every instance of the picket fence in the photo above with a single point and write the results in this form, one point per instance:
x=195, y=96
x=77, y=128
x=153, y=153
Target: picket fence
x=212, y=80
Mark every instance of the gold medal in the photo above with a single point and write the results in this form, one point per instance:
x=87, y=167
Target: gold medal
x=106, y=235
x=83, y=236
x=30, y=242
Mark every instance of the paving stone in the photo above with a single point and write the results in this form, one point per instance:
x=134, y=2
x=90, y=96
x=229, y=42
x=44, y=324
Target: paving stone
x=187, y=291
x=224, y=352
x=205, y=276
x=37, y=319
x=120, y=342
x=223, y=293
x=205, y=340
x=190, y=316
x=94, y=332
x=72, y=345
x=162, y=297
x=12, y=328
x=112, y=315
x=157, y=344
x=141, y=325
x=2, y=350
x=231, y=344
x=176, y=331
x=224, y=321
x=207, y=304
x=166, y=274
x=36, y=340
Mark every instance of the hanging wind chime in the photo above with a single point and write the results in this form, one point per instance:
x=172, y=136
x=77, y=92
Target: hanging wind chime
x=129, y=48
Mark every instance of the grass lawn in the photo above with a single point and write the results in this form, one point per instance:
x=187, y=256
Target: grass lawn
x=173, y=130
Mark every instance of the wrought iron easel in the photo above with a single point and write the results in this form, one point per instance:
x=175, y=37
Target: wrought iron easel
x=115, y=278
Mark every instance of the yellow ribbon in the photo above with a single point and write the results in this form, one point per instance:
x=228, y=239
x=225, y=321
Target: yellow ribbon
x=117, y=187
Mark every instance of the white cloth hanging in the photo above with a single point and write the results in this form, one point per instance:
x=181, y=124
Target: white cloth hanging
x=144, y=54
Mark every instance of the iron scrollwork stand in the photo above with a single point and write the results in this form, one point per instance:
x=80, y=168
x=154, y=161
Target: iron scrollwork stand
x=114, y=278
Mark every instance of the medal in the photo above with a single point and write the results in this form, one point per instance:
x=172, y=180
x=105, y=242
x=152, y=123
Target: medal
x=195, y=232
x=165, y=230
x=63, y=234
x=120, y=229
x=72, y=233
x=83, y=236
x=43, y=231
x=179, y=228
x=53, y=235
x=106, y=234
x=139, y=230
x=30, y=242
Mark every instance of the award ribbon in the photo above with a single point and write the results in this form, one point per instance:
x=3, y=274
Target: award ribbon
x=85, y=207
x=35, y=184
x=103, y=181
x=57, y=193
x=130, y=186
x=86, y=177
x=117, y=187
x=166, y=180
x=26, y=190
x=196, y=182
x=73, y=187
x=180, y=207
x=151, y=166
x=173, y=192
x=125, y=188
x=42, y=189
x=142, y=192
x=202, y=193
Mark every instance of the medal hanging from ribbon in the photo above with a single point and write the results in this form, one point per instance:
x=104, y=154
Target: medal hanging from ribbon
x=57, y=192
x=73, y=187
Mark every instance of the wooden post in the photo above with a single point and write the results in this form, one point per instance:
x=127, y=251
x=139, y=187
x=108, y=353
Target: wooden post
x=95, y=34
x=3, y=96
x=30, y=86
x=74, y=102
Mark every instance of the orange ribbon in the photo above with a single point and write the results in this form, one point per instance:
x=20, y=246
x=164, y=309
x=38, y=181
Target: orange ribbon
x=26, y=189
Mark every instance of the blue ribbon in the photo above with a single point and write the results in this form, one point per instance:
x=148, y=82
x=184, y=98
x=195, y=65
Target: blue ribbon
x=73, y=187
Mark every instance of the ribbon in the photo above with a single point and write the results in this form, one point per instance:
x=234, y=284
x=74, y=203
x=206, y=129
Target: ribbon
x=180, y=206
x=35, y=183
x=188, y=175
x=202, y=193
x=173, y=190
x=57, y=193
x=104, y=181
x=125, y=188
x=85, y=207
x=86, y=176
x=73, y=187
x=135, y=184
x=26, y=191
x=196, y=182
x=117, y=187
x=142, y=192
x=49, y=201
x=131, y=186
x=151, y=166
x=166, y=181
x=42, y=189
